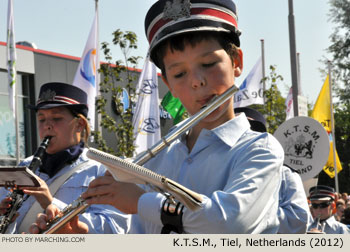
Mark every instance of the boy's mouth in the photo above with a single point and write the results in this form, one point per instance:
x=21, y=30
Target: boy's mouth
x=204, y=101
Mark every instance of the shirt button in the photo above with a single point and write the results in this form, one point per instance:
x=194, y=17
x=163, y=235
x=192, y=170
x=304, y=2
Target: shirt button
x=189, y=160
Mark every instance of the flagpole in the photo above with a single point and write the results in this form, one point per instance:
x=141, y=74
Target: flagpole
x=16, y=111
x=12, y=73
x=97, y=115
x=298, y=71
x=263, y=66
x=333, y=133
x=293, y=60
x=17, y=125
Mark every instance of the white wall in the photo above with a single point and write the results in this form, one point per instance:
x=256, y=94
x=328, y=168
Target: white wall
x=24, y=63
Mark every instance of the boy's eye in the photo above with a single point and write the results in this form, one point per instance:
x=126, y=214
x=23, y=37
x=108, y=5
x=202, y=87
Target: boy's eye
x=179, y=75
x=209, y=64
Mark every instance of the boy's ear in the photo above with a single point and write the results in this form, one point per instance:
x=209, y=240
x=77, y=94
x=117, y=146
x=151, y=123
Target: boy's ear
x=238, y=63
x=167, y=83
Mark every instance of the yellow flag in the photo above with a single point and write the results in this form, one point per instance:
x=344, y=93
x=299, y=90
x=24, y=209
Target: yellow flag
x=329, y=167
x=322, y=113
x=322, y=108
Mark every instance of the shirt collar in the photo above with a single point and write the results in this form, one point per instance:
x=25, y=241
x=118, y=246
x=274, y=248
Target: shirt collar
x=330, y=221
x=231, y=131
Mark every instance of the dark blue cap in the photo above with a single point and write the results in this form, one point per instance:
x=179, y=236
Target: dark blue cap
x=167, y=18
x=56, y=94
x=322, y=192
x=256, y=119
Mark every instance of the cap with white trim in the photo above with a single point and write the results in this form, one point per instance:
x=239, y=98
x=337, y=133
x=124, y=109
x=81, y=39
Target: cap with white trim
x=56, y=94
x=167, y=18
x=322, y=192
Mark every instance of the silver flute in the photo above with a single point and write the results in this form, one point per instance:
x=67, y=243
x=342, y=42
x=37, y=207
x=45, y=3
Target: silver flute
x=79, y=205
x=316, y=227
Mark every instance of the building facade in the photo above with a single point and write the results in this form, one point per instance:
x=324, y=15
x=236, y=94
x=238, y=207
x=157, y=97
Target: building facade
x=34, y=68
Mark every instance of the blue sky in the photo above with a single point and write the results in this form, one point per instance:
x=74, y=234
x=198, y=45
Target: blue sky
x=63, y=27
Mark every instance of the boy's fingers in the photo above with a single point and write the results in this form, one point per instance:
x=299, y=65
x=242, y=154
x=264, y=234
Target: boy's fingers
x=41, y=221
x=34, y=229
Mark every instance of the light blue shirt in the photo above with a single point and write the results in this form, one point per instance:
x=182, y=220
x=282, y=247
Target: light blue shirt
x=99, y=218
x=294, y=212
x=332, y=226
x=238, y=173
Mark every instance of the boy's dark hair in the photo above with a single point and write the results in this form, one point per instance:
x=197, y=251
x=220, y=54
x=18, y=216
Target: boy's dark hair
x=177, y=43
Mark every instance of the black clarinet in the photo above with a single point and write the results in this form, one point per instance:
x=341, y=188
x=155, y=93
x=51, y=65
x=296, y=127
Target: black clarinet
x=17, y=196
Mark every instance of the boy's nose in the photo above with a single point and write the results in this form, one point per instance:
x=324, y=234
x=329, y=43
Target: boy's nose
x=198, y=81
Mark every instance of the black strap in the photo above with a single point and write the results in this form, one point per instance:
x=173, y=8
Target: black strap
x=292, y=169
x=171, y=217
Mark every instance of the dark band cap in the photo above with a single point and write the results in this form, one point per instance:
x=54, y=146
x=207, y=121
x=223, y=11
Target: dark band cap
x=322, y=192
x=56, y=94
x=167, y=18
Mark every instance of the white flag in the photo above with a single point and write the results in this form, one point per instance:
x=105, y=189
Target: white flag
x=11, y=58
x=146, y=120
x=289, y=105
x=251, y=90
x=87, y=76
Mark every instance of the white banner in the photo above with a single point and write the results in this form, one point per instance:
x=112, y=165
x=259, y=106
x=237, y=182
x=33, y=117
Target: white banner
x=11, y=58
x=87, y=77
x=251, y=90
x=289, y=105
x=302, y=105
x=146, y=120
